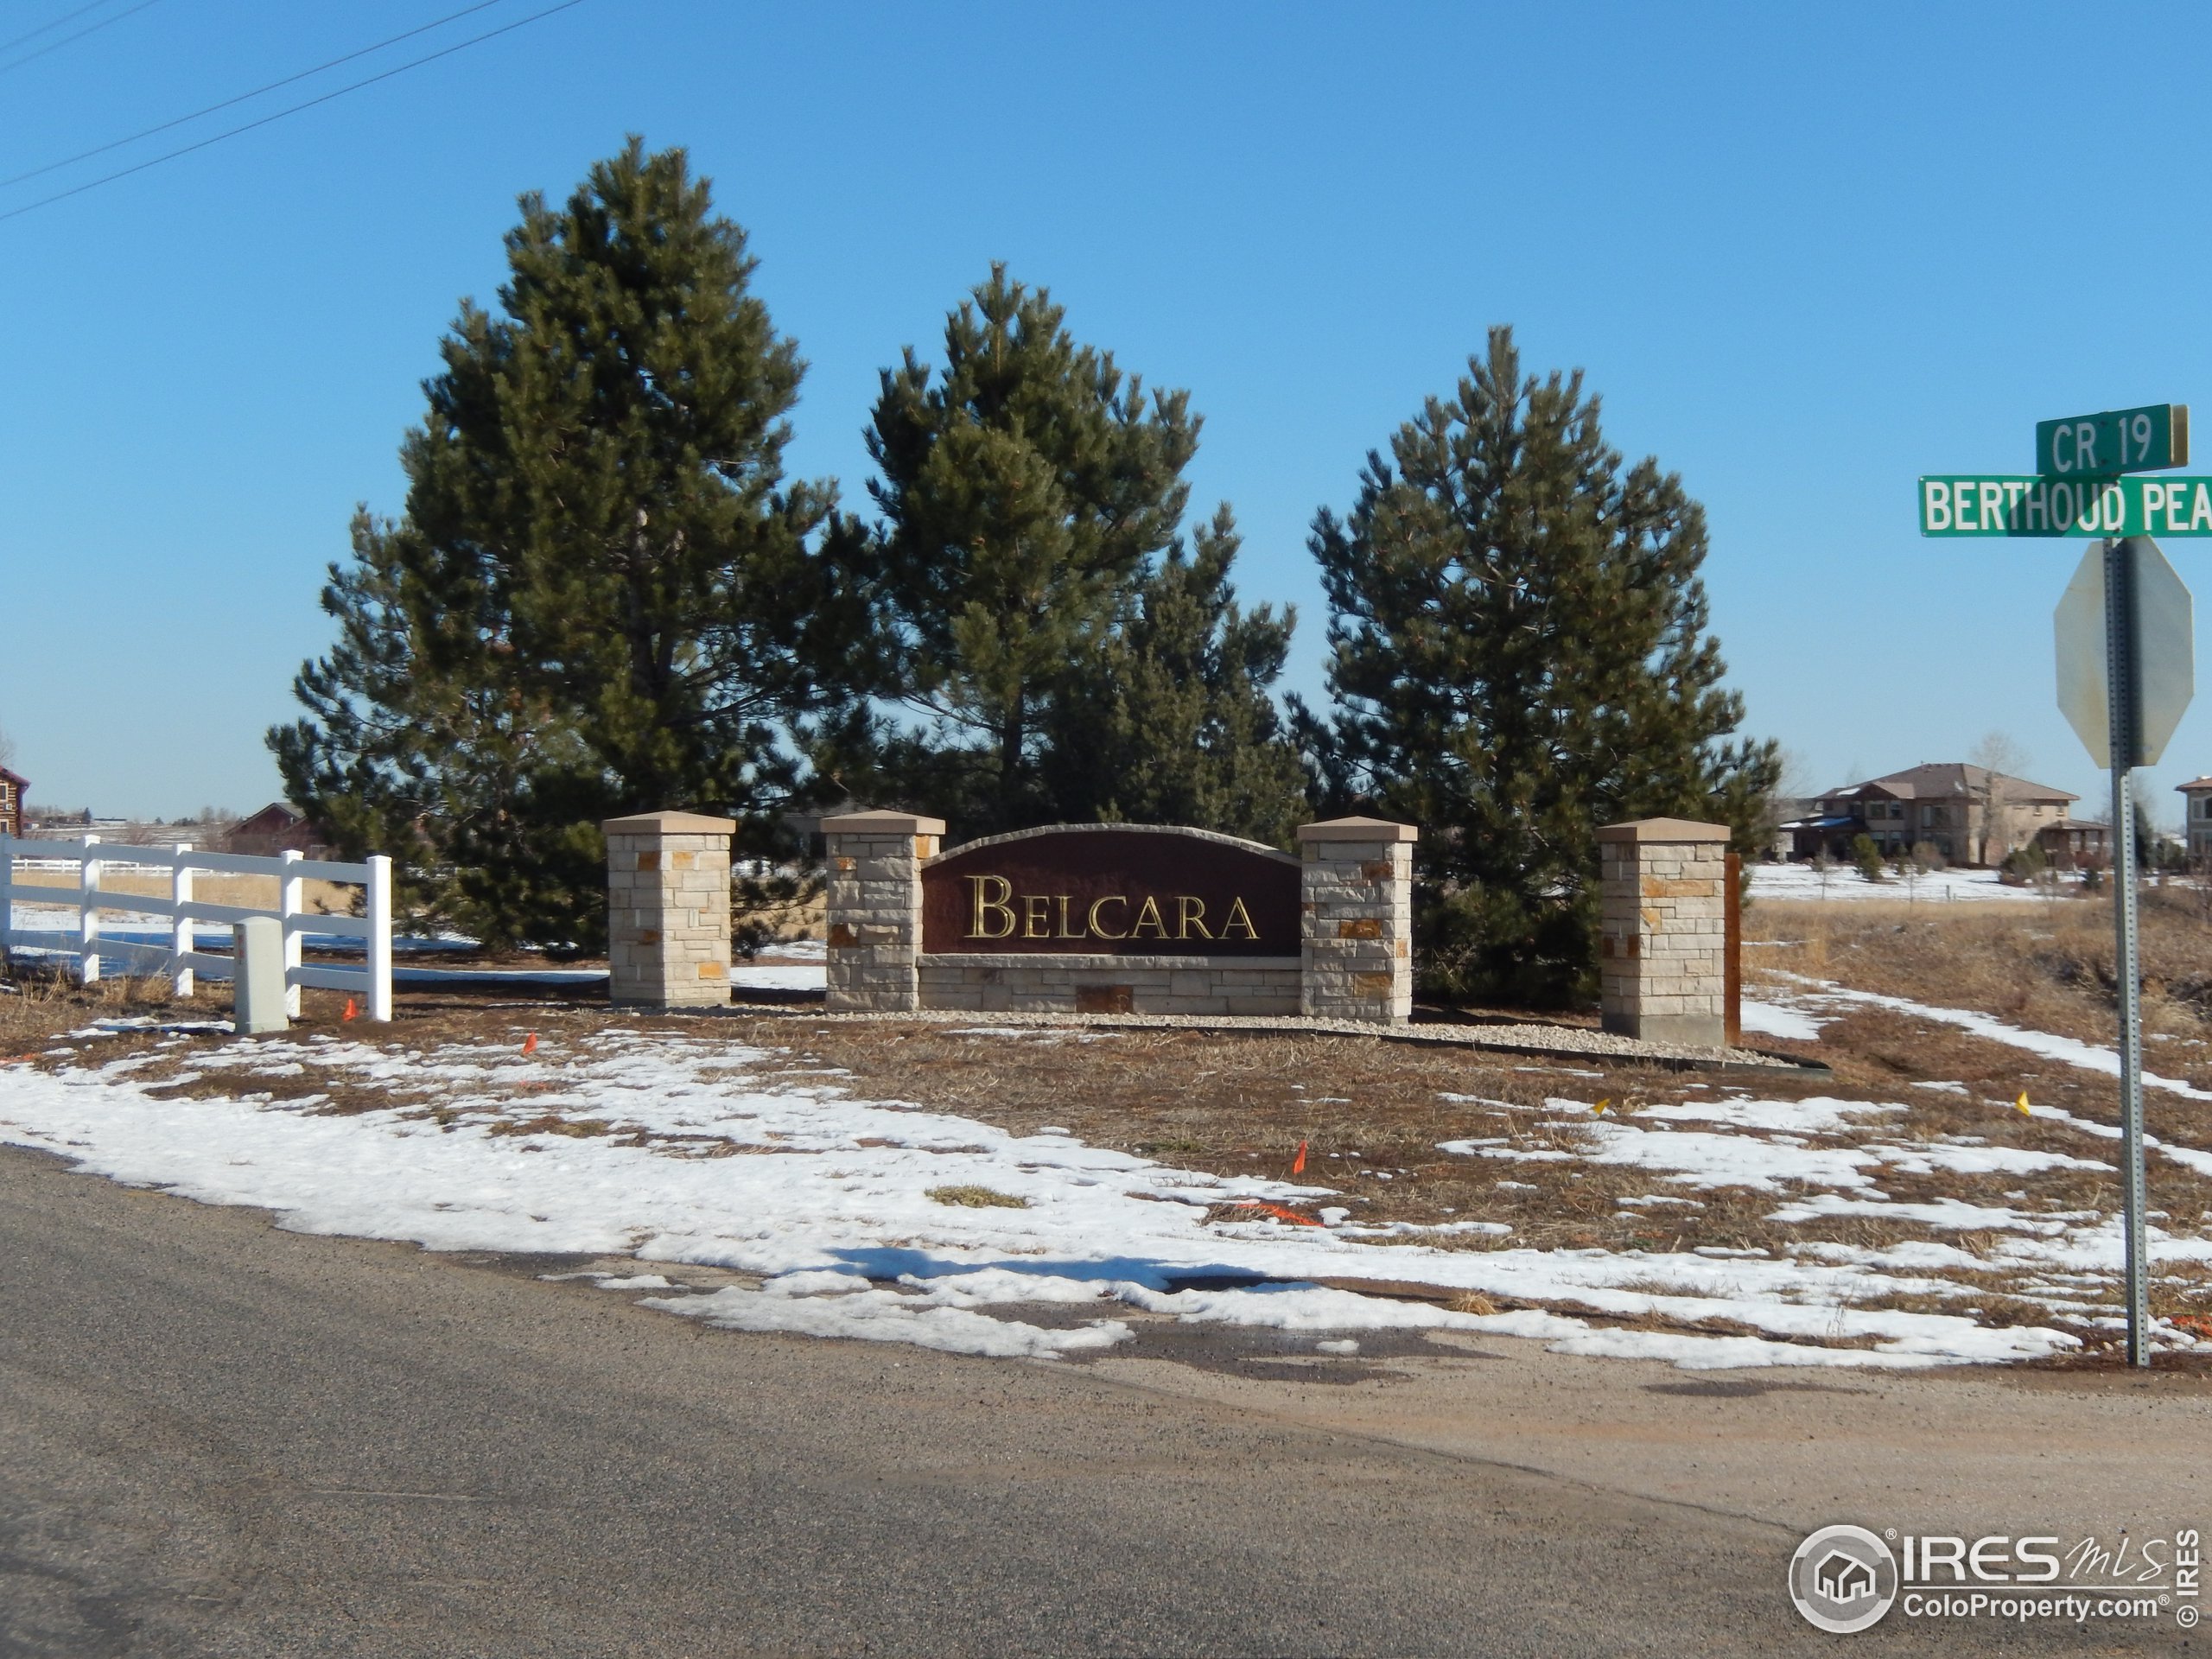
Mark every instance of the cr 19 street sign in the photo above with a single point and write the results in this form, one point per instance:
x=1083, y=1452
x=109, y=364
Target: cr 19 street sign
x=2039, y=506
x=2146, y=440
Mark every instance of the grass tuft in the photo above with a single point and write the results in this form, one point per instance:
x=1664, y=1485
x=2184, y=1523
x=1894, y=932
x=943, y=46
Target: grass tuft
x=579, y=1128
x=977, y=1198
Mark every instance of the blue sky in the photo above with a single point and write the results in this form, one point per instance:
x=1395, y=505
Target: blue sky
x=1805, y=254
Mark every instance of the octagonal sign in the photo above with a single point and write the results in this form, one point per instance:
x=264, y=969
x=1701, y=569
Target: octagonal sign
x=2165, y=655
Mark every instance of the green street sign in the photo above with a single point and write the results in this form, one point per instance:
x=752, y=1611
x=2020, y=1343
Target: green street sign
x=2146, y=440
x=2016, y=506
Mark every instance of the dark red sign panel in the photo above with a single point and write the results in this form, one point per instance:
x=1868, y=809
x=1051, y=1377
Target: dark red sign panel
x=1111, y=893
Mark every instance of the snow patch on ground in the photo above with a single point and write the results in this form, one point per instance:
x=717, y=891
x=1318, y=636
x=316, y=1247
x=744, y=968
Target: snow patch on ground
x=2067, y=1050
x=1772, y=1020
x=1846, y=886
x=703, y=1151
x=779, y=976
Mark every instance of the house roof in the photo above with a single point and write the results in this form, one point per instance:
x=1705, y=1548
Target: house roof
x=2194, y=785
x=16, y=777
x=277, y=815
x=1950, y=780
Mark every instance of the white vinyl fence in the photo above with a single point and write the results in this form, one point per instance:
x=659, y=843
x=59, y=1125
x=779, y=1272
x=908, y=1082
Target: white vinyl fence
x=179, y=957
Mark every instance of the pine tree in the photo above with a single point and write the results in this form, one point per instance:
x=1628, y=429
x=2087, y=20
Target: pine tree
x=1519, y=650
x=1038, y=602
x=602, y=597
x=1170, y=721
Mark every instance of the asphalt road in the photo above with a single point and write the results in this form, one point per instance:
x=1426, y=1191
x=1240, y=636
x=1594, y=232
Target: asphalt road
x=217, y=1437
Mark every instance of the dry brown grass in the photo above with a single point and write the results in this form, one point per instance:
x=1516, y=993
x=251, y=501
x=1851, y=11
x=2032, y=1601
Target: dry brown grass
x=971, y=1197
x=2048, y=965
x=798, y=918
x=321, y=898
x=34, y=1007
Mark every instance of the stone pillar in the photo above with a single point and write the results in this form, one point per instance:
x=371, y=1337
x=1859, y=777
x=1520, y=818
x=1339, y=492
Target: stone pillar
x=668, y=910
x=875, y=908
x=1357, y=894
x=1663, y=950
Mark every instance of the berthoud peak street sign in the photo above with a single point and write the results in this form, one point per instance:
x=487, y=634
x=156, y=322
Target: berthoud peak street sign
x=2086, y=483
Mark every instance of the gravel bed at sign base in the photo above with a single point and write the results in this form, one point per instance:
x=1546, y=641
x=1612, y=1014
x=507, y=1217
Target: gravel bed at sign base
x=1532, y=1038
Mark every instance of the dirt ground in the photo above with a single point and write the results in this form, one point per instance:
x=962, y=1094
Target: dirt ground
x=1367, y=1116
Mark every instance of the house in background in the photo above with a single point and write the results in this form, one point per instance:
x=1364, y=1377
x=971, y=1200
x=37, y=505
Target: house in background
x=2070, y=844
x=1785, y=813
x=1945, y=804
x=277, y=828
x=13, y=787
x=2197, y=818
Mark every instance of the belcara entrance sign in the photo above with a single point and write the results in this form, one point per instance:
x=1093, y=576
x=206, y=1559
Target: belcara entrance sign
x=1111, y=891
x=2126, y=670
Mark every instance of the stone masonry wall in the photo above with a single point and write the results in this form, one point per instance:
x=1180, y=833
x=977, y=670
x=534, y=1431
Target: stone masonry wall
x=668, y=910
x=875, y=908
x=1355, y=961
x=1357, y=902
x=1663, y=950
x=1022, y=983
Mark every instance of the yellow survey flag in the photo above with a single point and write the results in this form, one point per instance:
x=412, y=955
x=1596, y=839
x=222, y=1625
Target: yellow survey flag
x=1600, y=1109
x=2021, y=1105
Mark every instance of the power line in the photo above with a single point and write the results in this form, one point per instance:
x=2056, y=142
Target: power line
x=91, y=29
x=66, y=18
x=148, y=132
x=187, y=149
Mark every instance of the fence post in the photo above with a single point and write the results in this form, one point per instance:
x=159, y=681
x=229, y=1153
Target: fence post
x=88, y=918
x=181, y=939
x=378, y=906
x=7, y=899
x=289, y=889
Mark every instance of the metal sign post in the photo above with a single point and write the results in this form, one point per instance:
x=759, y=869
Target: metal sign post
x=2126, y=669
x=2124, y=714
